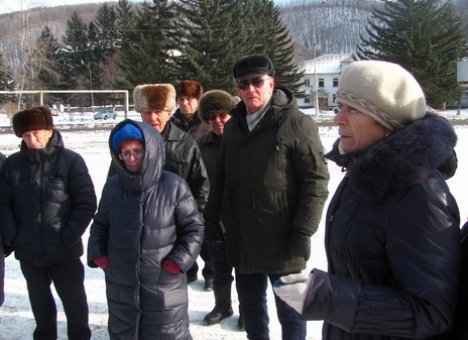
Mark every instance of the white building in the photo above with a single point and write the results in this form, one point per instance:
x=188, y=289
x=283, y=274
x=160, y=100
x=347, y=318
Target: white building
x=321, y=77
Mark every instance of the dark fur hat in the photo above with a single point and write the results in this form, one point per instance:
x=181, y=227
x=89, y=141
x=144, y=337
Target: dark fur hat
x=215, y=101
x=156, y=97
x=189, y=88
x=35, y=118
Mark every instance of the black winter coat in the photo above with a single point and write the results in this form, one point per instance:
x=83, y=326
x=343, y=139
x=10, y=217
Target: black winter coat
x=195, y=127
x=271, y=183
x=47, y=202
x=183, y=158
x=143, y=219
x=392, y=241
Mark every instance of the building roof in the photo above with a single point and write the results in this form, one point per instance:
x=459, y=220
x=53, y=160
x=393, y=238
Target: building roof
x=326, y=64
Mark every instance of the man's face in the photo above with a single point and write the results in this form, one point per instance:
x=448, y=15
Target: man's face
x=187, y=105
x=255, y=91
x=37, y=139
x=217, y=121
x=157, y=118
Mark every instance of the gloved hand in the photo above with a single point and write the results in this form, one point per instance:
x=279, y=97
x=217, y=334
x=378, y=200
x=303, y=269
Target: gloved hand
x=292, y=289
x=171, y=266
x=214, y=233
x=102, y=262
x=299, y=245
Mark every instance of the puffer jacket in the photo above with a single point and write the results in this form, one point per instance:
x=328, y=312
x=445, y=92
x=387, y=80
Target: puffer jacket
x=143, y=219
x=47, y=202
x=272, y=182
x=183, y=158
x=392, y=241
x=195, y=127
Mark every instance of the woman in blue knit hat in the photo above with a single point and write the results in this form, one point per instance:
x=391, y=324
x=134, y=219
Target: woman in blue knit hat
x=146, y=234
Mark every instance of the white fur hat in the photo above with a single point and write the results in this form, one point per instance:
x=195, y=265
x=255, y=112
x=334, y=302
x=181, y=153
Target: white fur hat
x=157, y=97
x=382, y=90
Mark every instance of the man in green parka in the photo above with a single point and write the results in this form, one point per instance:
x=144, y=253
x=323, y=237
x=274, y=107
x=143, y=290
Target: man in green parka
x=269, y=191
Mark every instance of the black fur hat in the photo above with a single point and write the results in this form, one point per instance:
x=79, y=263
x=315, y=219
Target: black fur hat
x=215, y=101
x=35, y=118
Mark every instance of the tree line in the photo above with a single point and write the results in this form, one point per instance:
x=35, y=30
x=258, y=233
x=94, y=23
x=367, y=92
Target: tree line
x=165, y=41
x=161, y=42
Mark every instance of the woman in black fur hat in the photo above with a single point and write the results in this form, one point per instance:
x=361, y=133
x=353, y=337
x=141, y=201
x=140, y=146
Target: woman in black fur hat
x=392, y=228
x=47, y=201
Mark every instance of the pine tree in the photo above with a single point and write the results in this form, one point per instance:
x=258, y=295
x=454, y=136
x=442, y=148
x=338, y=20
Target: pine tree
x=217, y=32
x=146, y=58
x=423, y=36
x=279, y=46
x=76, y=55
x=206, y=43
x=105, y=23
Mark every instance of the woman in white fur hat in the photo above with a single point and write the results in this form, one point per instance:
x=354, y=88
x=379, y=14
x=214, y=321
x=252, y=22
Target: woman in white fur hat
x=392, y=228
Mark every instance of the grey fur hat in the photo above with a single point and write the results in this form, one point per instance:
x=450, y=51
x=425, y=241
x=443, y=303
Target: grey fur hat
x=215, y=101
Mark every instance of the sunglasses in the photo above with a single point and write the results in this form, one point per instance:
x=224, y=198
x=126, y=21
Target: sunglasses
x=257, y=82
x=212, y=117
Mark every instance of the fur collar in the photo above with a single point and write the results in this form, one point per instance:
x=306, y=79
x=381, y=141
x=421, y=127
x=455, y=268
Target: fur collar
x=405, y=158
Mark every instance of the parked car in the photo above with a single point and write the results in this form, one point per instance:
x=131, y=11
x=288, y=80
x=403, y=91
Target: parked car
x=105, y=114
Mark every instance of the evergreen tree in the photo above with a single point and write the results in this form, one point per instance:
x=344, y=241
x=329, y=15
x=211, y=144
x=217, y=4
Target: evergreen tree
x=279, y=46
x=217, y=32
x=76, y=55
x=105, y=26
x=124, y=23
x=44, y=63
x=146, y=58
x=423, y=36
x=206, y=42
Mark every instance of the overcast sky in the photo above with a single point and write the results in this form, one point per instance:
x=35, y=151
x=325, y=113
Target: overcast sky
x=7, y=6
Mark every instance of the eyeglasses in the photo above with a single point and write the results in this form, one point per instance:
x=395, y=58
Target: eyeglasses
x=212, y=117
x=136, y=153
x=257, y=82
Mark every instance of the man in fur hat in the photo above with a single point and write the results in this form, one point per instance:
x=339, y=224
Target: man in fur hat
x=214, y=109
x=269, y=192
x=47, y=201
x=155, y=103
x=188, y=93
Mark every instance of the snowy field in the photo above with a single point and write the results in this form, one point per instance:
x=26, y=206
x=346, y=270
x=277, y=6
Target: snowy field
x=16, y=320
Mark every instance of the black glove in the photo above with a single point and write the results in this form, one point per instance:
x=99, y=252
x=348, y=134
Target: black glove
x=299, y=245
x=213, y=233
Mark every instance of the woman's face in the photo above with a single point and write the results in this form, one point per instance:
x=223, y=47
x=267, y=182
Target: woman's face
x=37, y=139
x=132, y=153
x=357, y=130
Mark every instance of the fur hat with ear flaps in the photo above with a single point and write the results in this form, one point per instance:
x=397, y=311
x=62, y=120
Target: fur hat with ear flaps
x=189, y=88
x=215, y=101
x=157, y=97
x=35, y=118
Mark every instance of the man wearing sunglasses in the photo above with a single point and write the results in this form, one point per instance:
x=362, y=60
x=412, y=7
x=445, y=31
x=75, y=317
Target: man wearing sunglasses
x=269, y=191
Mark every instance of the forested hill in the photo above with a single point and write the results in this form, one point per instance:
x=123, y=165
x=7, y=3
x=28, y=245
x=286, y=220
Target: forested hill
x=333, y=26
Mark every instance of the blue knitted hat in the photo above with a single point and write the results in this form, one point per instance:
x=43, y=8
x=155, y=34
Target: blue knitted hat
x=126, y=132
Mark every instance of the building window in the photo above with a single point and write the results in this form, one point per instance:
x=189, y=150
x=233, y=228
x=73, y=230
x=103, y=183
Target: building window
x=307, y=100
x=335, y=82
x=307, y=83
x=334, y=98
x=321, y=82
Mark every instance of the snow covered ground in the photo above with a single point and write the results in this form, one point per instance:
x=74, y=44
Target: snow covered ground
x=16, y=320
